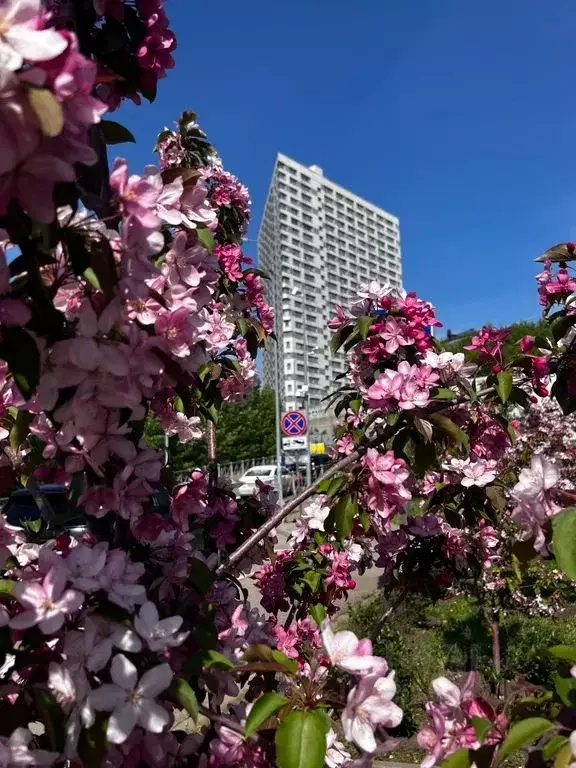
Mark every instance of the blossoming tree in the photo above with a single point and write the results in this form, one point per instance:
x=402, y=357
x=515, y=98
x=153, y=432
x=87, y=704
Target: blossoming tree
x=125, y=295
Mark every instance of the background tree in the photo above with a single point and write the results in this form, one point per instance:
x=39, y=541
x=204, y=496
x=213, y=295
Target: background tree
x=244, y=431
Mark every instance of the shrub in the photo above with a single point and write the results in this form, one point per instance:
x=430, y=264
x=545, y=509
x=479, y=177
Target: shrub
x=423, y=640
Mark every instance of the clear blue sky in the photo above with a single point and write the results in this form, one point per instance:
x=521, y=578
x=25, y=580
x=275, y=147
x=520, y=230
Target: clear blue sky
x=458, y=116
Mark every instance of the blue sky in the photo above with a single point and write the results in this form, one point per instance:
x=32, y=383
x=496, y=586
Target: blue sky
x=457, y=116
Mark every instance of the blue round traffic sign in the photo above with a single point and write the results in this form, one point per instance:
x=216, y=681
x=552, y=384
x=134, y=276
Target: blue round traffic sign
x=293, y=424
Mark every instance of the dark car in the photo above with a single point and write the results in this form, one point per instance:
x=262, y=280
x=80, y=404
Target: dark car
x=22, y=510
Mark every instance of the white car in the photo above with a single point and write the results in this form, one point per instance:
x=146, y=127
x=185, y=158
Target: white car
x=268, y=474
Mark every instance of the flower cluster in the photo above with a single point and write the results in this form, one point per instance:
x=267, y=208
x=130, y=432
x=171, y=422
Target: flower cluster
x=369, y=704
x=452, y=727
x=46, y=109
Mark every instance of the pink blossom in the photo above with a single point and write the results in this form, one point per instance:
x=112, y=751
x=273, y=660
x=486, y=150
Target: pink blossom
x=478, y=473
x=93, y=647
x=489, y=343
x=386, y=468
x=339, y=570
x=534, y=496
x=231, y=749
x=132, y=701
x=84, y=565
x=47, y=603
x=231, y=258
x=385, y=388
x=350, y=654
x=369, y=706
x=22, y=37
x=177, y=330
x=183, y=263
x=119, y=578
x=159, y=634
x=339, y=321
x=138, y=195
x=15, y=751
x=395, y=334
x=196, y=207
x=336, y=755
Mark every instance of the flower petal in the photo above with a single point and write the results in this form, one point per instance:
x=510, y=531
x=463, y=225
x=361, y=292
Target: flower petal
x=121, y=723
x=123, y=672
x=446, y=691
x=107, y=697
x=152, y=716
x=24, y=620
x=155, y=680
x=362, y=734
x=35, y=44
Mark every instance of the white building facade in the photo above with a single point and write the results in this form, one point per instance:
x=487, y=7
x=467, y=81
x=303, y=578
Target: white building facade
x=318, y=243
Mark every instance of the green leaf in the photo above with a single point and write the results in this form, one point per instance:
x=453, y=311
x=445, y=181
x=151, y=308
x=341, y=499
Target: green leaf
x=48, y=111
x=451, y=429
x=504, y=384
x=345, y=511
x=301, y=740
x=93, y=743
x=262, y=710
x=561, y=326
x=564, y=757
x=215, y=660
x=318, y=613
x=363, y=325
x=115, y=133
x=261, y=652
x=551, y=747
x=19, y=431
x=7, y=587
x=184, y=695
x=564, y=652
x=340, y=337
x=523, y=733
x=91, y=277
x=312, y=578
x=443, y=393
x=102, y=271
x=19, y=350
x=565, y=688
x=481, y=727
x=331, y=485
x=52, y=716
x=200, y=575
x=458, y=759
x=564, y=540
x=206, y=238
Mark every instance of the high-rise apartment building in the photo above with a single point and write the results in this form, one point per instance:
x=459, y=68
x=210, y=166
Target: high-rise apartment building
x=318, y=242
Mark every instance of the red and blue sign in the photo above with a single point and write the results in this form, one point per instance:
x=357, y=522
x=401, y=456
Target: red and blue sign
x=294, y=424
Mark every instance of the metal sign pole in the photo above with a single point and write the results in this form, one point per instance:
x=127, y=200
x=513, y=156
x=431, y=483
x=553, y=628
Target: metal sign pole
x=278, y=429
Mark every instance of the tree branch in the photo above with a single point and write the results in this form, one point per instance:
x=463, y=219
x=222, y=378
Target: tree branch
x=227, y=722
x=277, y=518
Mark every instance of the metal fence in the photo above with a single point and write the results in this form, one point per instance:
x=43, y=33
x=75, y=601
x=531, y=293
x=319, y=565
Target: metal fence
x=234, y=469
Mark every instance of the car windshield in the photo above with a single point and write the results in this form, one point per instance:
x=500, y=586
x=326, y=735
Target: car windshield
x=260, y=472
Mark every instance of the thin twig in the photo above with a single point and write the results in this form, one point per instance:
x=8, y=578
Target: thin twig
x=233, y=725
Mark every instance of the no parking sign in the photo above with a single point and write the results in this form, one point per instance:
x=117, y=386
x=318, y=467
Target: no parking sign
x=293, y=424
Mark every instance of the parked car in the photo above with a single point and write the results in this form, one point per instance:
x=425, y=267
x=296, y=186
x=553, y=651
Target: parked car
x=22, y=511
x=267, y=473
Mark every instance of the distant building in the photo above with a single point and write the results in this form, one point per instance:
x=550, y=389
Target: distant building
x=318, y=242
